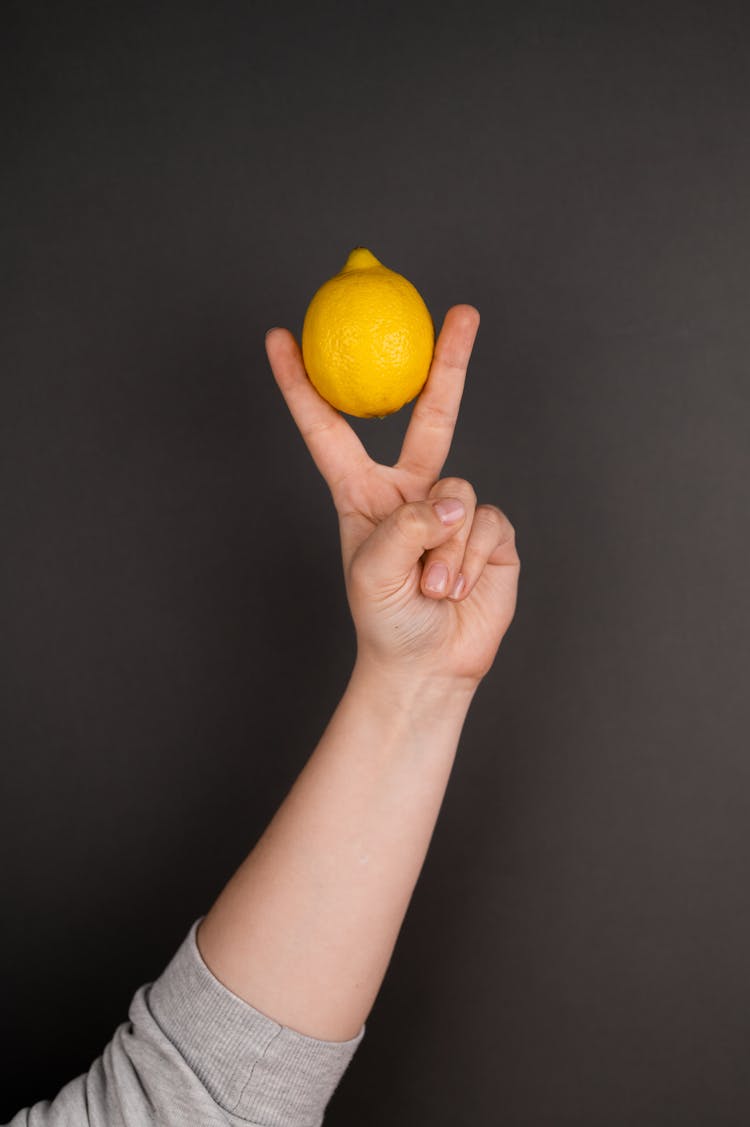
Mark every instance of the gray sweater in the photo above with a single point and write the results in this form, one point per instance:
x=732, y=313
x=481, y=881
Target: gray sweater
x=195, y=1055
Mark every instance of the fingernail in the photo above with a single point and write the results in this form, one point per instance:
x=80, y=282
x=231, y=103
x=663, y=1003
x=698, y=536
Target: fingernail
x=437, y=578
x=458, y=587
x=449, y=510
x=271, y=329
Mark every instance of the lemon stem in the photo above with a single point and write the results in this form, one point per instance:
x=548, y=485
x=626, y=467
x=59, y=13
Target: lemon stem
x=361, y=259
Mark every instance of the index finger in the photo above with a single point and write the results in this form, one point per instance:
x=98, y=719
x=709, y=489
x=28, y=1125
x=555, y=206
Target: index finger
x=335, y=448
x=430, y=432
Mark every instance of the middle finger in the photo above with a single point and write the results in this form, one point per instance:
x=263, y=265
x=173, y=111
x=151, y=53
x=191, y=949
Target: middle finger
x=430, y=432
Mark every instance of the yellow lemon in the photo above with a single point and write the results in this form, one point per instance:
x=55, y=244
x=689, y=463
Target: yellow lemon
x=367, y=338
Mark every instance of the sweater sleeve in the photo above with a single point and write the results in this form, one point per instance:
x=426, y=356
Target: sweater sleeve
x=193, y=1052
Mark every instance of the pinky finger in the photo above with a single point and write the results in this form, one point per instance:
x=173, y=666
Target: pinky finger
x=492, y=540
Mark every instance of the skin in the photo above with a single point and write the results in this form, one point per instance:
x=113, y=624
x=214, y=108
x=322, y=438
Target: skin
x=305, y=928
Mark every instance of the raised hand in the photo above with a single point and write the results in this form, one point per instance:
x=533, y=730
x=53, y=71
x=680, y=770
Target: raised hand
x=403, y=565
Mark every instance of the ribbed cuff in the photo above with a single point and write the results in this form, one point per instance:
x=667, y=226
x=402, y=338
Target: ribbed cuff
x=253, y=1067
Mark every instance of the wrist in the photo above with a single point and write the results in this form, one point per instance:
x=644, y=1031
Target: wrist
x=416, y=691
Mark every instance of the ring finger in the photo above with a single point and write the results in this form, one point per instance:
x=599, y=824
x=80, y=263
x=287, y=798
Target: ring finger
x=490, y=540
x=441, y=565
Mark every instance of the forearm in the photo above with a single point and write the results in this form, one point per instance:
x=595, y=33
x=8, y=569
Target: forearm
x=305, y=929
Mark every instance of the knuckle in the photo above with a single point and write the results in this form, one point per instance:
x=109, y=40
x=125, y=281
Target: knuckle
x=315, y=429
x=435, y=415
x=457, y=487
x=487, y=518
x=496, y=518
x=408, y=520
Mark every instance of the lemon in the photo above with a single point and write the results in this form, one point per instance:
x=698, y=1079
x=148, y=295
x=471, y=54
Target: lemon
x=367, y=338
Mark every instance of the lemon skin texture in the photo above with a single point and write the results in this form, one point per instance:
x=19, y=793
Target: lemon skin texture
x=367, y=338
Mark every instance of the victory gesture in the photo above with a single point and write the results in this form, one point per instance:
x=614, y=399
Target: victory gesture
x=431, y=575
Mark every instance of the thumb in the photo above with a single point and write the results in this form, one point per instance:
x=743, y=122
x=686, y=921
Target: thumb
x=383, y=561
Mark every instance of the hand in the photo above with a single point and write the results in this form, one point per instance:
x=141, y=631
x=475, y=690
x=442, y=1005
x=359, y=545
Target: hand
x=390, y=530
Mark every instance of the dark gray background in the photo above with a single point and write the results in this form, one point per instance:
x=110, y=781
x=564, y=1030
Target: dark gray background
x=174, y=182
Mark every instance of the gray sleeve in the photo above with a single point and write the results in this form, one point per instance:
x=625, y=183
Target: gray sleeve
x=194, y=1053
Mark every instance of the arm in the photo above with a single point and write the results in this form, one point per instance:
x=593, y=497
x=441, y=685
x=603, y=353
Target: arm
x=305, y=929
